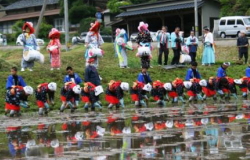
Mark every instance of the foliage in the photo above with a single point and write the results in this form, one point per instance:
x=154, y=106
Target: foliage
x=106, y=30
x=44, y=29
x=141, y=1
x=108, y=69
x=235, y=8
x=114, y=5
x=17, y=27
x=85, y=24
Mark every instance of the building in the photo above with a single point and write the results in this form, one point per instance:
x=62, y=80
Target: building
x=29, y=10
x=171, y=13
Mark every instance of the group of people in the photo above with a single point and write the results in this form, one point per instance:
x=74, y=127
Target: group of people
x=71, y=93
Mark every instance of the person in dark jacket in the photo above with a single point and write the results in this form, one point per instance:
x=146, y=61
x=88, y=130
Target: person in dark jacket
x=14, y=79
x=243, y=44
x=192, y=43
x=144, y=77
x=91, y=74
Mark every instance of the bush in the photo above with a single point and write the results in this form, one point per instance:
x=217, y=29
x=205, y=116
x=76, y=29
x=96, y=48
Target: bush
x=12, y=37
x=106, y=31
x=17, y=28
x=44, y=29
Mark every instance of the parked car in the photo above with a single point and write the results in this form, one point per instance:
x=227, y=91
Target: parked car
x=133, y=37
x=153, y=36
x=232, y=25
x=39, y=41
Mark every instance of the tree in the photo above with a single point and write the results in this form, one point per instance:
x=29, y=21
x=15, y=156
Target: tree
x=235, y=7
x=85, y=24
x=79, y=10
x=17, y=27
x=45, y=29
x=114, y=5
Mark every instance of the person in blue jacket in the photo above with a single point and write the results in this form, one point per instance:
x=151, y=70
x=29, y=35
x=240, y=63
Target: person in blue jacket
x=144, y=77
x=72, y=77
x=176, y=41
x=14, y=79
x=193, y=72
x=248, y=71
x=192, y=43
x=221, y=72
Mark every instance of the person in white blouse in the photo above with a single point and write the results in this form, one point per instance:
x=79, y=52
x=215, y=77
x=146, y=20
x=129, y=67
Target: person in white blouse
x=208, y=56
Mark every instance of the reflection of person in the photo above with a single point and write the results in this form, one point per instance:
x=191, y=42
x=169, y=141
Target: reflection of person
x=163, y=37
x=14, y=79
x=243, y=44
x=208, y=56
x=176, y=40
x=192, y=43
x=93, y=40
x=29, y=42
x=54, y=48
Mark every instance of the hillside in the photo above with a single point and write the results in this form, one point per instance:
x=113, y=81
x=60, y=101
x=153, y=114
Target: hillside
x=108, y=69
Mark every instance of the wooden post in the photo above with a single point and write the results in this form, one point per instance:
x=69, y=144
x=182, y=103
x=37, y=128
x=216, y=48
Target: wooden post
x=40, y=17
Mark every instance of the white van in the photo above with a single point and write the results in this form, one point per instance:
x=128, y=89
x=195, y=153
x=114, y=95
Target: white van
x=231, y=26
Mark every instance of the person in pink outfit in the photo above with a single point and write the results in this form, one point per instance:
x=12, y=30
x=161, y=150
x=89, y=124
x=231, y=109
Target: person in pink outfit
x=54, y=49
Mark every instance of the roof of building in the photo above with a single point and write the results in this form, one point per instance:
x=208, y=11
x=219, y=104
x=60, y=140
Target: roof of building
x=29, y=15
x=160, y=9
x=28, y=3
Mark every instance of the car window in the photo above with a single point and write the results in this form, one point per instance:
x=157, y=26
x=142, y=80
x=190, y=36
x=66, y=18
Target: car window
x=247, y=21
x=240, y=22
x=231, y=22
x=222, y=22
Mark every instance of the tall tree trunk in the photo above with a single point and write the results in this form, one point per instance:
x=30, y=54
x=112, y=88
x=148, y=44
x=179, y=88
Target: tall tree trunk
x=40, y=17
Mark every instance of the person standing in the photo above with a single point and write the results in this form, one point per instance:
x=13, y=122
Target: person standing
x=14, y=79
x=208, y=56
x=243, y=44
x=93, y=40
x=91, y=74
x=192, y=43
x=176, y=40
x=144, y=40
x=29, y=43
x=54, y=49
x=163, y=38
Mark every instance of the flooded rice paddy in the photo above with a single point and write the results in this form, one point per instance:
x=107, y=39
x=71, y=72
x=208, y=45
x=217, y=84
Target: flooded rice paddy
x=188, y=132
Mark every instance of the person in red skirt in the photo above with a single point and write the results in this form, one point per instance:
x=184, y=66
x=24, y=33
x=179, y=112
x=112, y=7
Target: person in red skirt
x=89, y=97
x=158, y=92
x=114, y=93
x=43, y=90
x=68, y=96
x=209, y=88
x=193, y=89
x=138, y=94
x=54, y=49
x=226, y=87
x=175, y=90
x=17, y=96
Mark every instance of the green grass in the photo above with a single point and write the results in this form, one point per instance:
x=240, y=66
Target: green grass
x=108, y=69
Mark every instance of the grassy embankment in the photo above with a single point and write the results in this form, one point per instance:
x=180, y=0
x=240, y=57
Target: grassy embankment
x=108, y=69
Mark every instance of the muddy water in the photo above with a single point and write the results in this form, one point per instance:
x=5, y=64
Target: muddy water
x=201, y=131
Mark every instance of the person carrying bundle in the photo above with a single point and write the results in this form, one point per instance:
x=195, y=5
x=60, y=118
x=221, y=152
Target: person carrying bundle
x=158, y=92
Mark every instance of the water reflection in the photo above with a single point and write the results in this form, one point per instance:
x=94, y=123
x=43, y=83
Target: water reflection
x=196, y=132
